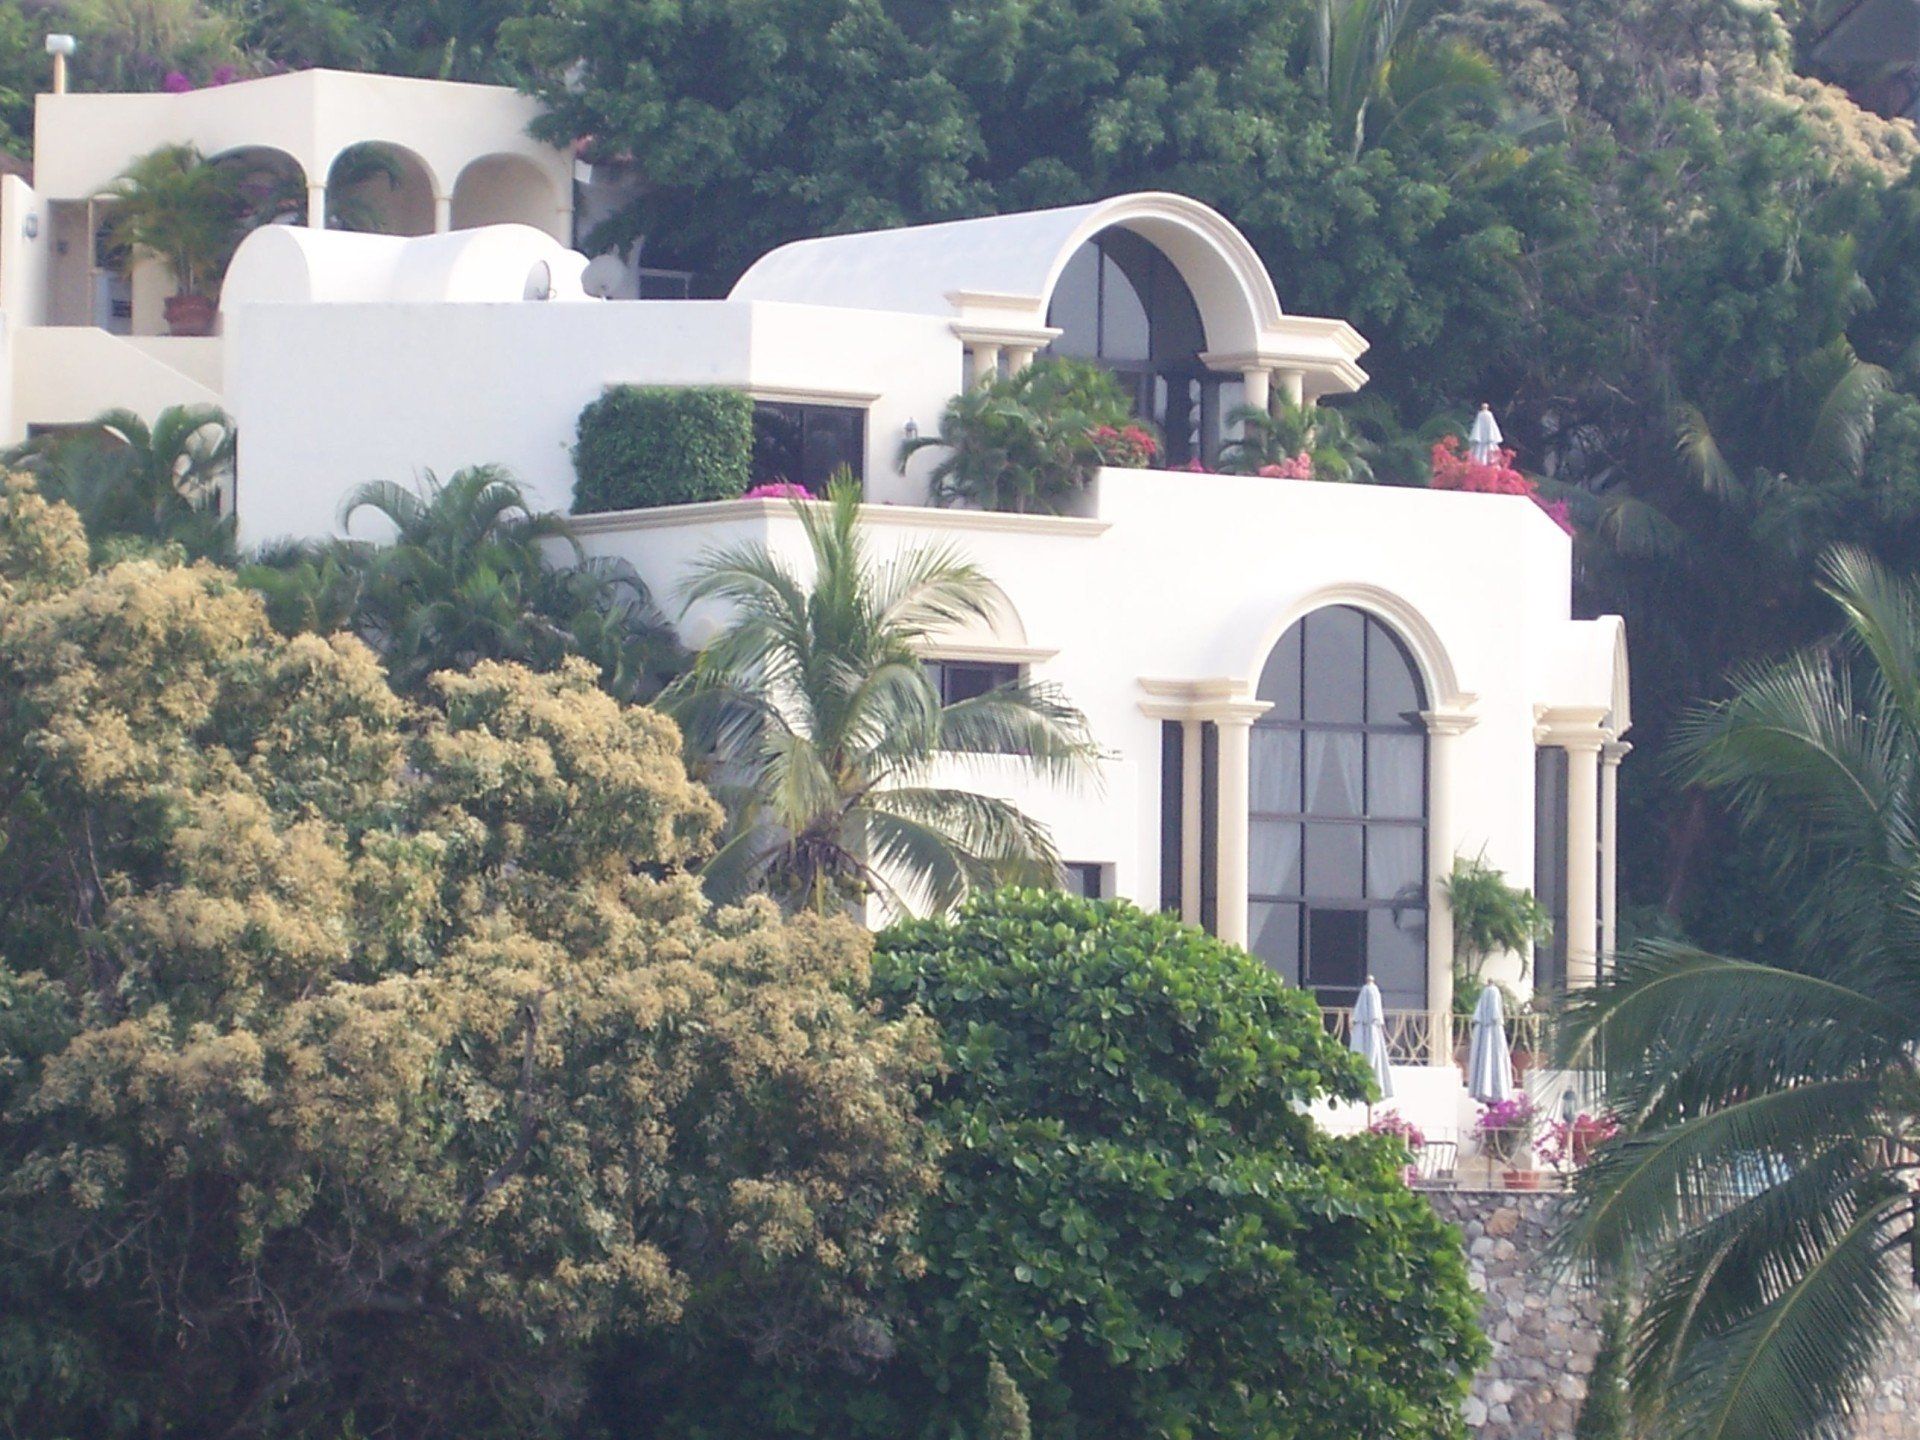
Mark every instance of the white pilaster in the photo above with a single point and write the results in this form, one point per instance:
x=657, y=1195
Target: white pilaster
x=1235, y=726
x=1611, y=754
x=1293, y=385
x=1192, y=808
x=442, y=214
x=1444, y=728
x=1257, y=384
x=1019, y=357
x=1583, y=856
x=983, y=361
x=316, y=207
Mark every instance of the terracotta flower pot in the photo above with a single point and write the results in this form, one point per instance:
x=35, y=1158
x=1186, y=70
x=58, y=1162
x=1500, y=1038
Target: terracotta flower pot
x=1522, y=1179
x=191, y=314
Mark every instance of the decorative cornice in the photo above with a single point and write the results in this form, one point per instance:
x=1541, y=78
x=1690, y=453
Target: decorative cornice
x=1036, y=337
x=935, y=648
x=1450, y=722
x=1572, y=727
x=1216, y=699
x=709, y=512
x=1614, y=751
x=814, y=394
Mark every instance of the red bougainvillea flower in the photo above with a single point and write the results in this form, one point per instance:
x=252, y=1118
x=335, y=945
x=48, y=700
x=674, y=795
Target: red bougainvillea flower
x=778, y=490
x=1454, y=469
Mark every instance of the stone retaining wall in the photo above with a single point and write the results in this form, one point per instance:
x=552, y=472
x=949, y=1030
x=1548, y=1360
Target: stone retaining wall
x=1546, y=1333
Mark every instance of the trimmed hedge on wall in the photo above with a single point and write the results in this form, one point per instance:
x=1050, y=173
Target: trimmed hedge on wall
x=638, y=446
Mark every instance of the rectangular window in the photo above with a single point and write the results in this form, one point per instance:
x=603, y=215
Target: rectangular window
x=1336, y=953
x=1085, y=878
x=1173, y=799
x=957, y=680
x=1210, y=827
x=1550, y=863
x=807, y=444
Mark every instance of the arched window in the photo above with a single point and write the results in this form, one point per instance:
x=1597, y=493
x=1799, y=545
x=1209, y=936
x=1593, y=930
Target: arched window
x=1120, y=301
x=1337, y=852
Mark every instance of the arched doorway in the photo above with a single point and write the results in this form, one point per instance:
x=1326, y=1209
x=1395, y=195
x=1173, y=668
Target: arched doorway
x=1337, y=812
x=1122, y=302
x=503, y=190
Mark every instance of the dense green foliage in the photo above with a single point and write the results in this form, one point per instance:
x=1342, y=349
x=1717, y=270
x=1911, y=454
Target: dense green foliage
x=1025, y=442
x=1491, y=916
x=644, y=445
x=1136, y=1218
x=469, y=572
x=137, y=485
x=821, y=731
x=361, y=1062
x=1759, y=1197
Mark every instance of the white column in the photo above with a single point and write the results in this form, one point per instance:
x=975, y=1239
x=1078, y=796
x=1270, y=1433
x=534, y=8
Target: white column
x=316, y=207
x=1235, y=728
x=1019, y=357
x=1444, y=729
x=1611, y=754
x=984, y=362
x=1293, y=385
x=442, y=214
x=1583, y=850
x=1192, y=809
x=1257, y=383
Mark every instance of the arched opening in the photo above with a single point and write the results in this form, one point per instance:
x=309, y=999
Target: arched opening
x=503, y=190
x=1337, y=812
x=1122, y=302
x=272, y=184
x=382, y=188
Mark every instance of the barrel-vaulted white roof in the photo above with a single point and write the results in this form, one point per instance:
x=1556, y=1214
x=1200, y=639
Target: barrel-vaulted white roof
x=493, y=264
x=995, y=276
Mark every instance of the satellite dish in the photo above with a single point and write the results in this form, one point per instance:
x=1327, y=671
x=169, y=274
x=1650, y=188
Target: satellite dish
x=539, y=282
x=608, y=277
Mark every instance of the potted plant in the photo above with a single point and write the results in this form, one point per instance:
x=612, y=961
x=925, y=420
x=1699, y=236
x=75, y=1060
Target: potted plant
x=173, y=205
x=1490, y=917
x=1392, y=1122
x=1505, y=1131
x=1031, y=442
x=1569, y=1144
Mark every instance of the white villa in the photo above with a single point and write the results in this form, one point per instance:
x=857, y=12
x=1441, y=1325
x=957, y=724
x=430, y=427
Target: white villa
x=1316, y=696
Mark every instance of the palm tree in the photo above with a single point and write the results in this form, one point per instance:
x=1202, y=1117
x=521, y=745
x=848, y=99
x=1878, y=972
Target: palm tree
x=822, y=730
x=1273, y=437
x=1369, y=56
x=164, y=483
x=469, y=575
x=1764, y=1184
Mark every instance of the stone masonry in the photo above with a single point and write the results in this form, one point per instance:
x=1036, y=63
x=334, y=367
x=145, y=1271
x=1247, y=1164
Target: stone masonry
x=1545, y=1331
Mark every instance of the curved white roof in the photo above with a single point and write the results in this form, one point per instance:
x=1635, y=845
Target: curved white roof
x=287, y=264
x=995, y=276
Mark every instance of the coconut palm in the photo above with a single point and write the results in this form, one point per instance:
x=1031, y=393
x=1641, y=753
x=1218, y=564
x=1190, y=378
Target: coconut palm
x=1764, y=1183
x=467, y=573
x=817, y=723
x=1370, y=59
x=164, y=483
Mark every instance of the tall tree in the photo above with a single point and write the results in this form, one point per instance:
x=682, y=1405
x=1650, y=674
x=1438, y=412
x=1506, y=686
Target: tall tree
x=832, y=746
x=1762, y=1186
x=362, y=1061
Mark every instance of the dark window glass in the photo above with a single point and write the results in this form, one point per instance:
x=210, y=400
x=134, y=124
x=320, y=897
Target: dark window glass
x=958, y=680
x=1274, y=931
x=1075, y=310
x=1338, y=802
x=1550, y=863
x=1336, y=952
x=806, y=444
x=1210, y=827
x=1087, y=879
x=1173, y=774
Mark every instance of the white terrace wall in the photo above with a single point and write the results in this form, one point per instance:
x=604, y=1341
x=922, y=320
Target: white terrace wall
x=328, y=396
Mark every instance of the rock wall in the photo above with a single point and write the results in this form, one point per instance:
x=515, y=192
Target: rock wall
x=1545, y=1333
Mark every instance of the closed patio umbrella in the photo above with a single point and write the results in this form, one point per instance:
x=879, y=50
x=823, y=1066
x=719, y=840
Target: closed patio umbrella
x=1485, y=437
x=1489, y=1065
x=1369, y=1036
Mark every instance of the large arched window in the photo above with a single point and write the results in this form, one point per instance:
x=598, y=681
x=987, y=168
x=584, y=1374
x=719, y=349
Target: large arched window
x=1337, y=869
x=1120, y=301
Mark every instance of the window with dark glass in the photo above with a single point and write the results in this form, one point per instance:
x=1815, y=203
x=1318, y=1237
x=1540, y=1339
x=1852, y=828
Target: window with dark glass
x=1173, y=800
x=1084, y=878
x=958, y=680
x=1120, y=301
x=806, y=444
x=1337, y=814
x=1550, y=863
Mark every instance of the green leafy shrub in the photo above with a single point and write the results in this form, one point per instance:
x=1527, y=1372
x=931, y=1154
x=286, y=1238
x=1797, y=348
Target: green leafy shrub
x=1026, y=442
x=1137, y=1219
x=644, y=445
x=1490, y=917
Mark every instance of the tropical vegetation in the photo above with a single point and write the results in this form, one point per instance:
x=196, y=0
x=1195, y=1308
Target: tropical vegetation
x=1491, y=916
x=338, y=1027
x=812, y=717
x=1030, y=442
x=1760, y=1193
x=1137, y=1223
x=466, y=570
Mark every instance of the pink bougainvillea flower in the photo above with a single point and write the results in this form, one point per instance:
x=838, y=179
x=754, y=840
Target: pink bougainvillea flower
x=778, y=490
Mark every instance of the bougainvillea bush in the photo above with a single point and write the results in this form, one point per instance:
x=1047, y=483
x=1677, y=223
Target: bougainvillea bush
x=1455, y=469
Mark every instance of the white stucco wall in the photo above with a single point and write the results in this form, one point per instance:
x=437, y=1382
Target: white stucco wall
x=384, y=391
x=25, y=260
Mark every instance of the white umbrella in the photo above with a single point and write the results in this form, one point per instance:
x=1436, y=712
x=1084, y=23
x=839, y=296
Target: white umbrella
x=1489, y=1065
x=1369, y=1035
x=1485, y=437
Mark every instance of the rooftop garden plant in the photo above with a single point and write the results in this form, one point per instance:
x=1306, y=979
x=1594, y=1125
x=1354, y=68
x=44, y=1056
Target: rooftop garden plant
x=639, y=446
x=1295, y=442
x=1505, y=1128
x=1490, y=917
x=172, y=205
x=1031, y=442
x=1569, y=1144
x=1454, y=468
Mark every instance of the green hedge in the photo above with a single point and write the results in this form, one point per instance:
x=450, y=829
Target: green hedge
x=644, y=445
